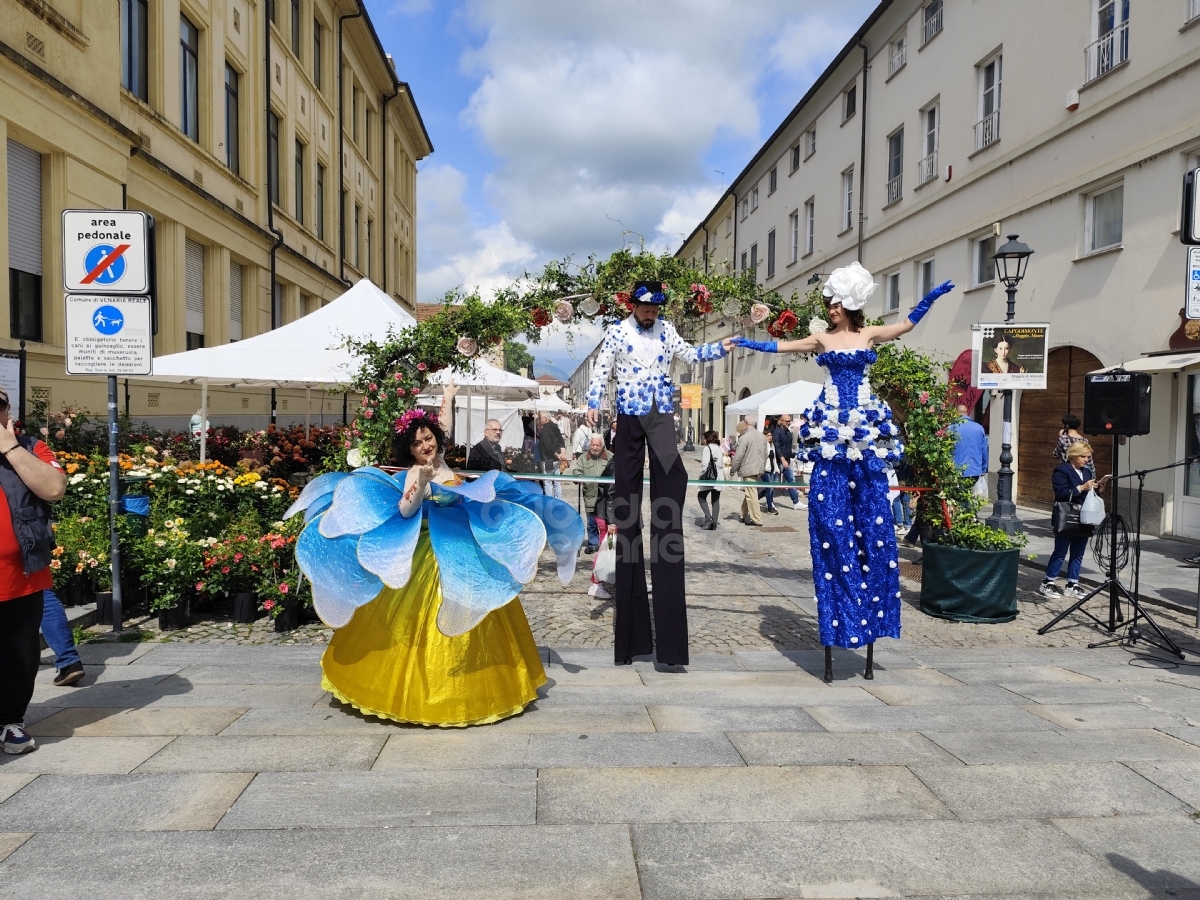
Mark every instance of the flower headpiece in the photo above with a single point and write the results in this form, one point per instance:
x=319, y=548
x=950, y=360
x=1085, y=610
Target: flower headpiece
x=410, y=416
x=850, y=286
x=649, y=292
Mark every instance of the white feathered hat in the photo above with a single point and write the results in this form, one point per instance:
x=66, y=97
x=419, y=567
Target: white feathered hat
x=850, y=286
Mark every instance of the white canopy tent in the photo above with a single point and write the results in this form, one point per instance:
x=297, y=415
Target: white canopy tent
x=792, y=398
x=304, y=353
x=491, y=383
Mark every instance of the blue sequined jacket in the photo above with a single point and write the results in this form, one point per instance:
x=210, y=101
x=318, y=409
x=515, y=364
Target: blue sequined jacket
x=642, y=360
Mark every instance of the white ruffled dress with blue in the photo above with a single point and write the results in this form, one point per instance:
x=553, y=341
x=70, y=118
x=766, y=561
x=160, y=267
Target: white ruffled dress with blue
x=428, y=625
x=850, y=438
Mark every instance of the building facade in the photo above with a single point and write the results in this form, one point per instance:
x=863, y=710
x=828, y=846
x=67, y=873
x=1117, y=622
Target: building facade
x=945, y=125
x=272, y=141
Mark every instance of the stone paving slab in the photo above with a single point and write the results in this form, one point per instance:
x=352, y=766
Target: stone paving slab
x=10, y=842
x=794, y=794
x=176, y=692
x=110, y=653
x=107, y=803
x=265, y=754
x=623, y=750
x=106, y=674
x=543, y=717
x=773, y=748
x=677, y=693
x=1156, y=853
x=305, y=722
x=392, y=799
x=850, y=859
x=1190, y=734
x=466, y=863
x=1003, y=675
x=473, y=748
x=1045, y=791
x=1107, y=715
x=732, y=718
x=996, y=748
x=10, y=784
x=217, y=655
x=1181, y=779
x=941, y=695
x=927, y=718
x=1059, y=693
x=293, y=673
x=85, y=755
x=92, y=721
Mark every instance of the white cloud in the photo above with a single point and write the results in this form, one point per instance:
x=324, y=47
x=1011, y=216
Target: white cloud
x=688, y=210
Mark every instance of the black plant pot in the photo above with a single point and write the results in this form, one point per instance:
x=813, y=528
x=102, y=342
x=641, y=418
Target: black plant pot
x=969, y=585
x=288, y=618
x=79, y=591
x=104, y=611
x=245, y=608
x=172, y=619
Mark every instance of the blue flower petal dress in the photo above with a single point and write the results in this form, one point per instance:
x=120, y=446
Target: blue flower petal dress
x=850, y=438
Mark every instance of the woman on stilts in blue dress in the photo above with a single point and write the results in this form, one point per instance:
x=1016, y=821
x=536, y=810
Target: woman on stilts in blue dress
x=850, y=439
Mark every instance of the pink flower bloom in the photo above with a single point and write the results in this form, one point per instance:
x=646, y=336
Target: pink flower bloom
x=383, y=395
x=564, y=311
x=268, y=605
x=467, y=346
x=237, y=557
x=373, y=386
x=924, y=396
x=399, y=392
x=399, y=376
x=421, y=367
x=369, y=413
x=224, y=570
x=199, y=585
x=759, y=313
x=283, y=589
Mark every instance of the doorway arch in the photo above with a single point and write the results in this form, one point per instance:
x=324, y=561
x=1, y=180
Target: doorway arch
x=1041, y=423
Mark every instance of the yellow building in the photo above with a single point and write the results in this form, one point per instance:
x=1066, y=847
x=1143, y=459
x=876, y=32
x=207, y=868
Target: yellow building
x=229, y=121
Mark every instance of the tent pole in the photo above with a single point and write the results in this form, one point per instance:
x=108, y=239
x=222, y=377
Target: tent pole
x=307, y=410
x=203, y=420
x=468, y=445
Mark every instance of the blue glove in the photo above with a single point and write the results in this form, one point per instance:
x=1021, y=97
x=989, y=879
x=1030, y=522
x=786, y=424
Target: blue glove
x=764, y=346
x=918, y=312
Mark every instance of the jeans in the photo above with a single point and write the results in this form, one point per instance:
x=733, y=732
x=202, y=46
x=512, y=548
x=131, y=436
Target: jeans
x=57, y=632
x=788, y=477
x=593, y=531
x=551, y=488
x=769, y=493
x=901, y=511
x=1077, y=543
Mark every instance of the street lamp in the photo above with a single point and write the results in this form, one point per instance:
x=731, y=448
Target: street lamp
x=1011, y=261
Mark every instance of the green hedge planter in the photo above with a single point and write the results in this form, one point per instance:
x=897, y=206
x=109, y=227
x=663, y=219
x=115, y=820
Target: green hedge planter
x=969, y=585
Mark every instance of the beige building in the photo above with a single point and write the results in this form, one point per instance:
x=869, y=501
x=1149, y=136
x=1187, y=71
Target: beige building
x=229, y=121
x=945, y=125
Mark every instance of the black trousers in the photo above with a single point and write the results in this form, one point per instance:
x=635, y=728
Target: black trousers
x=20, y=650
x=668, y=484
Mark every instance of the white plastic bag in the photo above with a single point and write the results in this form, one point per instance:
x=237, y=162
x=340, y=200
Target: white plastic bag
x=1092, y=511
x=980, y=488
x=605, y=567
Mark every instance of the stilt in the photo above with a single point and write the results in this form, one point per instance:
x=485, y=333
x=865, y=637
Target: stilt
x=829, y=665
x=869, y=674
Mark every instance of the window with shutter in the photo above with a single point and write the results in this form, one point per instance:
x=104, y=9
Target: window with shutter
x=193, y=288
x=24, y=241
x=235, y=302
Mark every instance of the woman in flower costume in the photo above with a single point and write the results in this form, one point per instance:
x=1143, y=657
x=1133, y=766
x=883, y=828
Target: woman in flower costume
x=419, y=575
x=851, y=439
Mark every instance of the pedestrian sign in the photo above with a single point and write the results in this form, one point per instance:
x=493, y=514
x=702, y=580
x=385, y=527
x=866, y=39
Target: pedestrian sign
x=106, y=251
x=1193, y=283
x=108, y=335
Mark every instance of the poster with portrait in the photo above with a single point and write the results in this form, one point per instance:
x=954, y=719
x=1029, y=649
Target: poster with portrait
x=1009, y=356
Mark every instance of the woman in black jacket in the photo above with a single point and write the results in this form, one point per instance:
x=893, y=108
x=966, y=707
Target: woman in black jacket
x=1072, y=482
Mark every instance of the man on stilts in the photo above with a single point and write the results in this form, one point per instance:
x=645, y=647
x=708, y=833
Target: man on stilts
x=641, y=348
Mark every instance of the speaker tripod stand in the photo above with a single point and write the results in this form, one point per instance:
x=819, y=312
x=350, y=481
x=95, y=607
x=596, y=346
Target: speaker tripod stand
x=1113, y=586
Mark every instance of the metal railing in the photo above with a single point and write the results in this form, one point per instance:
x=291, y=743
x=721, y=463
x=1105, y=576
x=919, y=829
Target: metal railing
x=1110, y=50
x=933, y=25
x=1193, y=10
x=927, y=169
x=899, y=56
x=987, y=130
x=894, y=189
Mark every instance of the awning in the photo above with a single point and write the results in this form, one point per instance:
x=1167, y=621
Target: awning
x=1168, y=362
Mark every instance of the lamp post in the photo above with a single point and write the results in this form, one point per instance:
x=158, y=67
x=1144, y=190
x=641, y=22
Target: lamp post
x=1011, y=261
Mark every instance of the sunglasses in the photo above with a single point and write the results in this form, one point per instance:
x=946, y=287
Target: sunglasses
x=3, y=403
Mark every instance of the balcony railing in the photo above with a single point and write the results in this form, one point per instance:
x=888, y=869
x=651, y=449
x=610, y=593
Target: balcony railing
x=895, y=189
x=1111, y=50
x=1193, y=10
x=987, y=130
x=927, y=169
x=933, y=25
x=899, y=57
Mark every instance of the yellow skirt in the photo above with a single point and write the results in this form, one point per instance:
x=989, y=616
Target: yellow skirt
x=392, y=662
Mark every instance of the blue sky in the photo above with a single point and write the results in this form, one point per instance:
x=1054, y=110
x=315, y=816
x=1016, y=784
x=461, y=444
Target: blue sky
x=565, y=127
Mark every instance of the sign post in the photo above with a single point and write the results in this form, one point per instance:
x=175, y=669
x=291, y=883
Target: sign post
x=107, y=275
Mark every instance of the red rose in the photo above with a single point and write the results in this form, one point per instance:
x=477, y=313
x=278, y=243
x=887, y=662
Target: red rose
x=786, y=323
x=541, y=318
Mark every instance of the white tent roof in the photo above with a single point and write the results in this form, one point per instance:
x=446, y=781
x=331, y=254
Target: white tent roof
x=303, y=353
x=791, y=398
x=485, y=380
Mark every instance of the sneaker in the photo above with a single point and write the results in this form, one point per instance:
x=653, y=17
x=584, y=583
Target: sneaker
x=1074, y=592
x=711, y=526
x=753, y=523
x=70, y=675
x=1050, y=589
x=800, y=505
x=773, y=511
x=15, y=739
x=598, y=591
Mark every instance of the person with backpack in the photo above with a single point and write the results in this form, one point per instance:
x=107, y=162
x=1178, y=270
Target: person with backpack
x=710, y=465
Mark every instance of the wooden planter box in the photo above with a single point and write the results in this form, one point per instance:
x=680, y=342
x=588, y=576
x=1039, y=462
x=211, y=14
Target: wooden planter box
x=969, y=585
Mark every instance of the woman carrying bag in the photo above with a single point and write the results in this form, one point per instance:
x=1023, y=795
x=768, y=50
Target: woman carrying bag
x=1073, y=481
x=710, y=465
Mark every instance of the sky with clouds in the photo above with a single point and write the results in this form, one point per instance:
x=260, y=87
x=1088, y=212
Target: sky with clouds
x=567, y=127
